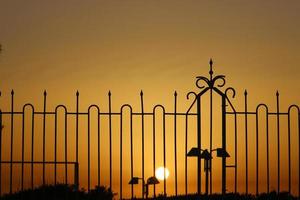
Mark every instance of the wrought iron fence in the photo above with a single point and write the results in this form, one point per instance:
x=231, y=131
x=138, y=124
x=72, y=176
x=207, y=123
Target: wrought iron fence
x=195, y=113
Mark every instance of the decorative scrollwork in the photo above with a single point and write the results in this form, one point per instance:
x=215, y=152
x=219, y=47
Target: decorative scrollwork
x=188, y=97
x=193, y=93
x=210, y=82
x=202, y=78
x=230, y=89
x=215, y=79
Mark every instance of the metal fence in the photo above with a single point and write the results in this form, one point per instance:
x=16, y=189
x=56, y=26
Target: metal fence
x=195, y=114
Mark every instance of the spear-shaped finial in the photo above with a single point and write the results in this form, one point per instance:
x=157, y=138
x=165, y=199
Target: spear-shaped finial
x=210, y=65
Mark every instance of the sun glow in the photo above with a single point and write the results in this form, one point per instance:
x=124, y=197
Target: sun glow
x=162, y=173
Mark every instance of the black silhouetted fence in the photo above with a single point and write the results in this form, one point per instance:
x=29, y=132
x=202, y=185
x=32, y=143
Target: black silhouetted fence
x=211, y=87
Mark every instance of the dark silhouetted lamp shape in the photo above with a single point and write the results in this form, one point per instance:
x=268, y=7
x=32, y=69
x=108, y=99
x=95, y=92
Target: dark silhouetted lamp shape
x=150, y=181
x=134, y=181
x=206, y=155
x=222, y=153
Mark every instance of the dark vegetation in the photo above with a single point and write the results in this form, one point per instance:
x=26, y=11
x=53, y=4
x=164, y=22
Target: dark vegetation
x=231, y=196
x=62, y=192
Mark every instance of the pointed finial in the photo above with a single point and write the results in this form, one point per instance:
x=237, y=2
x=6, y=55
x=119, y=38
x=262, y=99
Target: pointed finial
x=12, y=92
x=245, y=93
x=210, y=62
x=45, y=92
x=277, y=93
x=211, y=65
x=109, y=93
x=0, y=93
x=77, y=93
x=175, y=93
x=141, y=93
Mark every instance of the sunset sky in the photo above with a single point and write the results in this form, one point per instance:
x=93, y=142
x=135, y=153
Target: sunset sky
x=157, y=46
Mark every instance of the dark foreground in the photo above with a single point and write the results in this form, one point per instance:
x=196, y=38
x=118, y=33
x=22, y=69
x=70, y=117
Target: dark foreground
x=271, y=196
x=62, y=192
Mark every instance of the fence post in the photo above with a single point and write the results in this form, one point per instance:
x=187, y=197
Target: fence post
x=76, y=176
x=224, y=144
x=1, y=126
x=198, y=144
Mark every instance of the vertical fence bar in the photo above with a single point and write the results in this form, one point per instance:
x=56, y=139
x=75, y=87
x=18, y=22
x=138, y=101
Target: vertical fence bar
x=55, y=142
x=185, y=153
x=210, y=125
x=99, y=142
x=154, y=151
x=11, y=142
x=1, y=127
x=289, y=146
x=143, y=144
x=121, y=149
x=164, y=150
x=175, y=139
x=89, y=154
x=44, y=135
x=110, y=140
x=298, y=152
x=257, y=159
x=224, y=143
x=76, y=132
x=76, y=176
x=210, y=140
x=289, y=152
x=278, y=142
x=23, y=146
x=199, y=144
x=267, y=141
x=22, y=149
x=32, y=148
x=131, y=153
x=236, y=153
x=55, y=147
x=246, y=140
x=121, y=146
x=66, y=148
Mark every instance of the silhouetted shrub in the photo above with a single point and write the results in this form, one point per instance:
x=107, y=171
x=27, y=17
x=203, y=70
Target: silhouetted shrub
x=61, y=192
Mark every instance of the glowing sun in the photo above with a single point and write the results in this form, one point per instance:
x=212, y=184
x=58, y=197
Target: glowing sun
x=162, y=173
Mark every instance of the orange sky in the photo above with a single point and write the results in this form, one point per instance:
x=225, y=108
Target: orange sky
x=157, y=46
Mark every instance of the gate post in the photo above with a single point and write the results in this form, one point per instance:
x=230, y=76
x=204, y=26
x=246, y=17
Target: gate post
x=198, y=145
x=223, y=143
x=76, y=176
x=1, y=127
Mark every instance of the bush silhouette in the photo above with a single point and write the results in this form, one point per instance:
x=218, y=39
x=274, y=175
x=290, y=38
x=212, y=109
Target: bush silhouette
x=60, y=192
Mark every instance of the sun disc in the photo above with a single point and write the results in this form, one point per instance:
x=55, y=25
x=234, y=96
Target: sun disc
x=162, y=173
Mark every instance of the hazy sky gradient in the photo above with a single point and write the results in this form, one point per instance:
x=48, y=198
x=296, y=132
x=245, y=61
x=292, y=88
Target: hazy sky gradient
x=158, y=46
